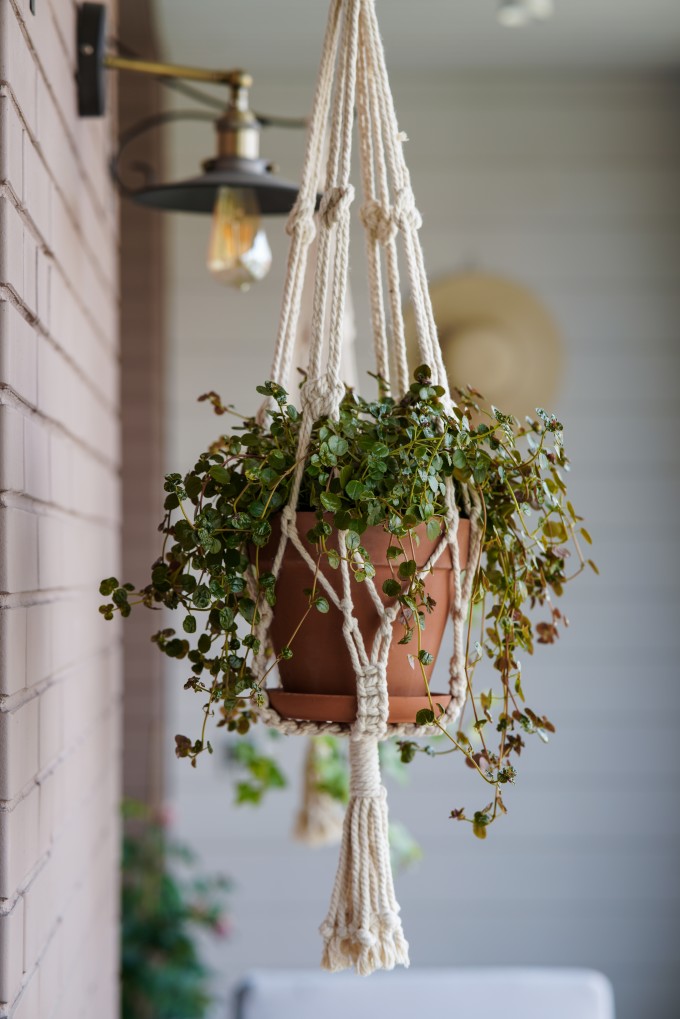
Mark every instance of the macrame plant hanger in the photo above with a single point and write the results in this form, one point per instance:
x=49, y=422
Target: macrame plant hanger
x=362, y=928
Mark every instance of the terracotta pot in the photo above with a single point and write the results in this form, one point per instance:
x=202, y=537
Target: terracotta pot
x=318, y=681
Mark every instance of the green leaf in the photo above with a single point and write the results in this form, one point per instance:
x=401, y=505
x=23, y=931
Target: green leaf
x=201, y=597
x=189, y=624
x=425, y=716
x=408, y=569
x=330, y=501
x=555, y=529
x=107, y=587
x=220, y=474
x=321, y=604
x=392, y=588
x=355, y=489
x=337, y=445
x=380, y=450
x=346, y=475
x=433, y=529
x=425, y=658
x=352, y=541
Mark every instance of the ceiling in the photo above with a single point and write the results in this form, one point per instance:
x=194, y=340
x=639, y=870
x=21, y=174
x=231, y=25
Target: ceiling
x=284, y=36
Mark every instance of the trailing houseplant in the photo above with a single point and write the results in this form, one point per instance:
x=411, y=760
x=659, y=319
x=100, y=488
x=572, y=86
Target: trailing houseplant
x=381, y=464
x=164, y=904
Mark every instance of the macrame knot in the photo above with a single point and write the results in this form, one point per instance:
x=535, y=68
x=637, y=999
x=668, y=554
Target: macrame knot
x=288, y=520
x=335, y=204
x=406, y=215
x=373, y=703
x=301, y=222
x=378, y=221
x=321, y=396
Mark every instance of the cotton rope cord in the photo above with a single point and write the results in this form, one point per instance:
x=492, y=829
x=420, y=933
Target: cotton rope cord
x=320, y=818
x=362, y=928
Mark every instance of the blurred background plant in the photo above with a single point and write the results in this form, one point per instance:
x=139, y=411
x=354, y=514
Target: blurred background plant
x=166, y=903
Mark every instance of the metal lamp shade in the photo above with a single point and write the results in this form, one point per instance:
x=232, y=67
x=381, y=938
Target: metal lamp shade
x=197, y=194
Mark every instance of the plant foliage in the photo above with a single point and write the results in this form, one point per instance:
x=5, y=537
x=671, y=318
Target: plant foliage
x=386, y=463
x=163, y=907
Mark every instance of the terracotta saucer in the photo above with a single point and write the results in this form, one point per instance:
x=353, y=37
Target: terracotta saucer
x=343, y=707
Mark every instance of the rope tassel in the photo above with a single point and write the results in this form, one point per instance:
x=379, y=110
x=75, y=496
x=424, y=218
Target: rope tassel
x=363, y=928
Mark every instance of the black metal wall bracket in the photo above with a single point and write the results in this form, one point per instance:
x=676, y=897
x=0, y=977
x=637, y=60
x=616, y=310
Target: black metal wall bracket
x=91, y=50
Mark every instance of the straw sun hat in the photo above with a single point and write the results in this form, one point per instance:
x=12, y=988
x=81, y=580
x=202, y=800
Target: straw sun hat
x=496, y=336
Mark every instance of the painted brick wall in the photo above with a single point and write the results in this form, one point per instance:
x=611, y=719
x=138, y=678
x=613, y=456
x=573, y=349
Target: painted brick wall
x=59, y=530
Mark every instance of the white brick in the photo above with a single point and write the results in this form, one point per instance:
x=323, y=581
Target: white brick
x=11, y=449
x=51, y=808
x=54, y=567
x=37, y=458
x=11, y=247
x=55, y=389
x=18, y=354
x=11, y=951
x=41, y=910
x=13, y=623
x=11, y=145
x=62, y=451
x=29, y=294
x=51, y=975
x=18, y=748
x=38, y=642
x=44, y=288
x=16, y=65
x=18, y=843
x=28, y=1005
x=52, y=59
x=51, y=725
x=18, y=550
x=38, y=193
x=70, y=636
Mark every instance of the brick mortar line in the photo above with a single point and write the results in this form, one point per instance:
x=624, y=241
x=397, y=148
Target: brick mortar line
x=106, y=833
x=9, y=703
x=72, y=143
x=109, y=285
x=11, y=398
x=56, y=25
x=8, y=293
x=25, y=214
x=7, y=904
x=6, y=1008
x=48, y=596
x=10, y=499
x=100, y=336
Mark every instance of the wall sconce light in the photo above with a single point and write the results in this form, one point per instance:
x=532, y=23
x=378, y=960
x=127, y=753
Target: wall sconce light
x=236, y=186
